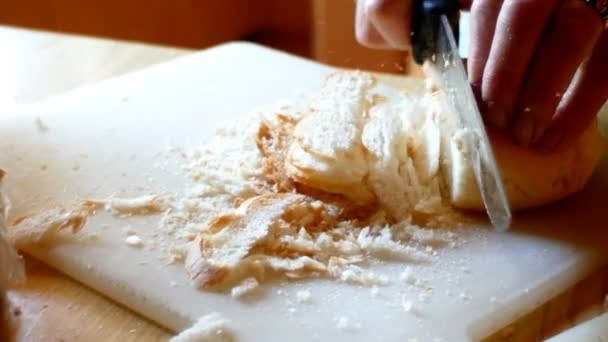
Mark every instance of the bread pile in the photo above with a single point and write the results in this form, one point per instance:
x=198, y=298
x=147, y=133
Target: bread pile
x=359, y=175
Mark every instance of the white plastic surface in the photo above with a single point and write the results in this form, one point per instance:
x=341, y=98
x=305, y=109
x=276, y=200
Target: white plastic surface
x=113, y=137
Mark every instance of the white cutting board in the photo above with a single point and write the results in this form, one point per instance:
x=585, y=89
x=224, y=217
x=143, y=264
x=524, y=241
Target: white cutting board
x=113, y=137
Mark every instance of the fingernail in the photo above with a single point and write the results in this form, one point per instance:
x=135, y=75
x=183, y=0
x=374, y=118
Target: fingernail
x=523, y=131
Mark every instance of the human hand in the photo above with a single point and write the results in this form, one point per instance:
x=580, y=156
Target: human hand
x=524, y=55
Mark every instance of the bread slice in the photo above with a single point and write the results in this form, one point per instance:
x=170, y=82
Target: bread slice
x=327, y=152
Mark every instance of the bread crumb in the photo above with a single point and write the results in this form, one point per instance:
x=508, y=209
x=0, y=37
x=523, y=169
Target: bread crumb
x=246, y=287
x=344, y=323
x=303, y=296
x=407, y=276
x=374, y=291
x=212, y=327
x=134, y=241
x=406, y=304
x=176, y=254
x=147, y=204
x=173, y=284
x=492, y=300
x=42, y=127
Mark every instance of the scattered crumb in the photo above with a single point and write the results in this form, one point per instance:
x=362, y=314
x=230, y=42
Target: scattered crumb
x=75, y=167
x=247, y=286
x=147, y=204
x=17, y=311
x=407, y=276
x=492, y=300
x=303, y=296
x=173, y=284
x=527, y=109
x=134, y=241
x=344, y=323
x=209, y=328
x=374, y=292
x=406, y=304
x=43, y=167
x=42, y=127
x=177, y=254
x=132, y=331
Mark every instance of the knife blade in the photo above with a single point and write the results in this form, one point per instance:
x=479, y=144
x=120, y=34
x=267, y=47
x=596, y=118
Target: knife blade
x=436, y=49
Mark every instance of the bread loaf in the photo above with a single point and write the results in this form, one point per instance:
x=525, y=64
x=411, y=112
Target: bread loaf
x=407, y=153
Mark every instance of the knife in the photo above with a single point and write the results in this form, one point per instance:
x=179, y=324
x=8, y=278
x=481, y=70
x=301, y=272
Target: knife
x=435, y=48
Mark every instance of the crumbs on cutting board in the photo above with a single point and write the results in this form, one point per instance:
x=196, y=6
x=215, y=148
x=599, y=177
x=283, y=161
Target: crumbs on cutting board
x=239, y=218
x=134, y=241
x=304, y=296
x=246, y=287
x=234, y=181
x=40, y=125
x=345, y=323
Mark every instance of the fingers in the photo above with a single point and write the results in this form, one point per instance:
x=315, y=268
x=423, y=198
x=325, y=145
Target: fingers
x=568, y=40
x=519, y=28
x=582, y=101
x=365, y=32
x=384, y=23
x=482, y=23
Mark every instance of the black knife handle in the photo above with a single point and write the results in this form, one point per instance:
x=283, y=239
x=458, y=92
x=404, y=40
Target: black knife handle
x=425, y=25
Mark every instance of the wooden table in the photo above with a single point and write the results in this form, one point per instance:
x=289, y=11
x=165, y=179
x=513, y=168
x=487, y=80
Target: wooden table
x=35, y=65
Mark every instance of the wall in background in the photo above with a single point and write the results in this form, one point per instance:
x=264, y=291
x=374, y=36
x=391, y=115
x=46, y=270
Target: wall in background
x=320, y=29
